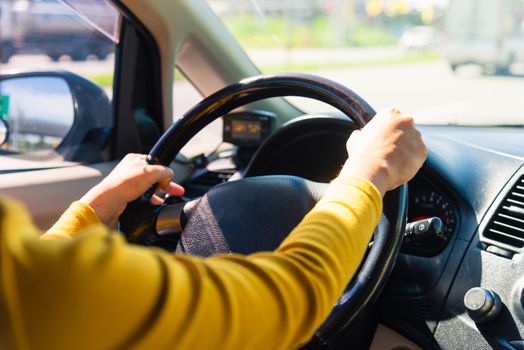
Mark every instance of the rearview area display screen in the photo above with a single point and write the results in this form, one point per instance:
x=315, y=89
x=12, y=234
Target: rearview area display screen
x=246, y=130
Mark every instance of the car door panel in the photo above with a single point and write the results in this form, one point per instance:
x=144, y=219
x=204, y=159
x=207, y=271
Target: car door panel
x=47, y=193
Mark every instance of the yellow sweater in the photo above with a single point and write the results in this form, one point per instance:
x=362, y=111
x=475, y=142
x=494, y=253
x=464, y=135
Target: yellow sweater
x=88, y=289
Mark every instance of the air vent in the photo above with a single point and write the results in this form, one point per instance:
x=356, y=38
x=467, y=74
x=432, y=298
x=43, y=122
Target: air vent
x=507, y=224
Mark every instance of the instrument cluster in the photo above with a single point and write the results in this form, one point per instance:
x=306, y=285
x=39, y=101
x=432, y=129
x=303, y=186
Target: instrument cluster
x=427, y=201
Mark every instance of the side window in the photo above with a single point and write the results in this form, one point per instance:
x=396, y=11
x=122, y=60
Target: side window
x=57, y=68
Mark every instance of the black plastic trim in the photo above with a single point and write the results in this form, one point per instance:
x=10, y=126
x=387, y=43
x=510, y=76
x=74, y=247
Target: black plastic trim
x=141, y=41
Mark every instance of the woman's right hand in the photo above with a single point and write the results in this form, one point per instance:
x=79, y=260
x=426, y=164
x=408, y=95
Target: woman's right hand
x=388, y=151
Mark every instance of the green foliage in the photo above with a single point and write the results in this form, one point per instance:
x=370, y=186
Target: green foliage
x=365, y=35
x=104, y=80
x=254, y=32
x=318, y=66
x=107, y=80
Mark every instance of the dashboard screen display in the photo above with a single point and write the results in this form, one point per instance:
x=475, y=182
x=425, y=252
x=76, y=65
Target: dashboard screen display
x=246, y=130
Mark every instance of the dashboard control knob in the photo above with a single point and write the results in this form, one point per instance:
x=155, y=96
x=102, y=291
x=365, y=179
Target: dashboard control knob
x=482, y=305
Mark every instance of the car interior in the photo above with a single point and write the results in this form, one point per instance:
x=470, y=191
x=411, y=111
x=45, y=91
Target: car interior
x=444, y=268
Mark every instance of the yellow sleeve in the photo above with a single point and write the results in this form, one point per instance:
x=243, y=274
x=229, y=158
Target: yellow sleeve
x=76, y=218
x=96, y=291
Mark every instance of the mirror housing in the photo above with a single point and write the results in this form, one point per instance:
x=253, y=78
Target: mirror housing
x=4, y=132
x=86, y=137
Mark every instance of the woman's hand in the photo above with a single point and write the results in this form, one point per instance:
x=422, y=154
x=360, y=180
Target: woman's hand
x=129, y=180
x=388, y=151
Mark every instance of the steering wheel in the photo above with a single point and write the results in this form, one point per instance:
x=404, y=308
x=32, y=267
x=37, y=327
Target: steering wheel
x=257, y=213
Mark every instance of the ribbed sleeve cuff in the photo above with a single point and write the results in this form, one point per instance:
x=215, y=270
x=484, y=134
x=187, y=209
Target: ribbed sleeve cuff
x=77, y=217
x=341, y=188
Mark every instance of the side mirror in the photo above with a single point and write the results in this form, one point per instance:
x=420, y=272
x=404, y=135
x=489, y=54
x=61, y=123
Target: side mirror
x=55, y=110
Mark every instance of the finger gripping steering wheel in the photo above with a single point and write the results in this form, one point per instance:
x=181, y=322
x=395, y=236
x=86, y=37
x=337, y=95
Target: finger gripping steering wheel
x=271, y=206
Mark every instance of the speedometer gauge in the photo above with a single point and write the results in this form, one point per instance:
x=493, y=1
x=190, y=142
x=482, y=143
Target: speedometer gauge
x=426, y=203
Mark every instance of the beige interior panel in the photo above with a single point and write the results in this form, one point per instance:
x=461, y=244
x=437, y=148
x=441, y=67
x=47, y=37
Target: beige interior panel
x=47, y=193
x=387, y=339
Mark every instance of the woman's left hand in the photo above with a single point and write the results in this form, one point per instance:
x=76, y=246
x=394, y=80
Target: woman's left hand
x=131, y=178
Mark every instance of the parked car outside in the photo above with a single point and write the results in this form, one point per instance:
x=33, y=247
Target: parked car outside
x=485, y=33
x=50, y=28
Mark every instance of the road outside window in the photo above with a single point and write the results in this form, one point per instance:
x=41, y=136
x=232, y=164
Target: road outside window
x=444, y=61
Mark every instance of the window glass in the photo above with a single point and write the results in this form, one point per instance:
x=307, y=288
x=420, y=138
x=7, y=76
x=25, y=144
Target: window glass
x=185, y=96
x=60, y=105
x=443, y=61
x=100, y=14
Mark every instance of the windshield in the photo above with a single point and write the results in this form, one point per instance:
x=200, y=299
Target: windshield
x=443, y=61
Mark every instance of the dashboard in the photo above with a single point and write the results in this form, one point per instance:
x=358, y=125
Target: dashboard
x=466, y=180
x=469, y=170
